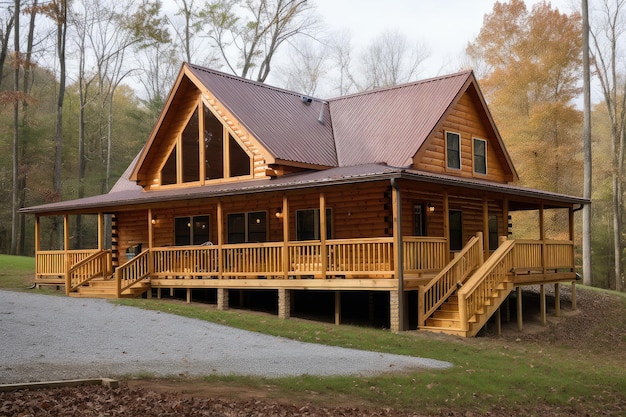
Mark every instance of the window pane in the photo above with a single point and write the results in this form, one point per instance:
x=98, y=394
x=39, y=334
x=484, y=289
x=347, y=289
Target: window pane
x=480, y=156
x=456, y=230
x=237, y=228
x=191, y=152
x=305, y=225
x=213, y=146
x=453, y=150
x=419, y=221
x=493, y=232
x=168, y=173
x=238, y=159
x=182, y=231
x=200, y=230
x=257, y=227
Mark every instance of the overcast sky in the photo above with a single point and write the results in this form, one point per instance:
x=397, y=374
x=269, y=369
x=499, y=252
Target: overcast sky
x=445, y=26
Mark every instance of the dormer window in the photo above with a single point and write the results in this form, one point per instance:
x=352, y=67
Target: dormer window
x=453, y=150
x=214, y=155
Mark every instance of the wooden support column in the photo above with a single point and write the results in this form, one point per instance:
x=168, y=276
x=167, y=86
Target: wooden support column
x=37, y=244
x=557, y=300
x=574, y=306
x=188, y=295
x=485, y=228
x=285, y=220
x=100, y=231
x=396, y=297
x=542, y=238
x=498, y=322
x=520, y=322
x=323, y=237
x=220, y=242
x=337, y=307
x=446, y=223
x=66, y=248
x=150, y=229
x=505, y=217
x=542, y=304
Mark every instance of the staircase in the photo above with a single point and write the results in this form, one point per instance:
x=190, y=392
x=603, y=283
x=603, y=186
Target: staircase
x=465, y=310
x=107, y=288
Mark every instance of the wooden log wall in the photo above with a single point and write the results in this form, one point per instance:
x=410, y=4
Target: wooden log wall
x=465, y=120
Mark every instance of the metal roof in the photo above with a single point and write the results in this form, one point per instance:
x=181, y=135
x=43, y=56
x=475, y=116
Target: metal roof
x=286, y=123
x=133, y=196
x=390, y=125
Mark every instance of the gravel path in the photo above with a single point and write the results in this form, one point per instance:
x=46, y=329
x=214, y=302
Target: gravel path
x=50, y=337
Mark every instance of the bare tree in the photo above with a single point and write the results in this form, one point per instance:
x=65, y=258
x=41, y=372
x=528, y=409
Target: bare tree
x=390, y=60
x=607, y=33
x=16, y=127
x=306, y=67
x=248, y=34
x=8, y=19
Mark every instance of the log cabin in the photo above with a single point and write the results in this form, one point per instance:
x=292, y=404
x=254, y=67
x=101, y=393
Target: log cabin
x=406, y=194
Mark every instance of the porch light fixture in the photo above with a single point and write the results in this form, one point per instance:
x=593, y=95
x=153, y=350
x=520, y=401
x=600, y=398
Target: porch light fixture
x=279, y=213
x=154, y=220
x=431, y=208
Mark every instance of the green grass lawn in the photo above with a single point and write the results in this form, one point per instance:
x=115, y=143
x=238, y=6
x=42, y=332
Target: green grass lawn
x=584, y=371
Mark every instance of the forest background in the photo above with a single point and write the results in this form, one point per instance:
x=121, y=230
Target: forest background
x=82, y=83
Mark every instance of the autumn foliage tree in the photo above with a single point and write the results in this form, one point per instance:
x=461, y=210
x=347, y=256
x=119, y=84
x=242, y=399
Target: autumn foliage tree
x=533, y=63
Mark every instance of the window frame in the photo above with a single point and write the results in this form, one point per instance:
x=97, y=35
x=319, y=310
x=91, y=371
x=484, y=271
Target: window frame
x=190, y=223
x=448, y=135
x=475, y=156
x=316, y=223
x=419, y=219
x=247, y=216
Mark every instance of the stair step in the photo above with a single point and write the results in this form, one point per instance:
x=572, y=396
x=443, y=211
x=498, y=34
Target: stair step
x=443, y=323
x=450, y=307
x=444, y=330
x=446, y=314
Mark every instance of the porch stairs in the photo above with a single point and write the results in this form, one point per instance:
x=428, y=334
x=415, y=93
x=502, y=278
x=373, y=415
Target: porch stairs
x=107, y=288
x=467, y=305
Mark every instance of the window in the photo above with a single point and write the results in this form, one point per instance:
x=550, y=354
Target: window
x=247, y=227
x=453, y=150
x=456, y=230
x=480, y=156
x=192, y=230
x=239, y=160
x=493, y=232
x=213, y=146
x=191, y=151
x=419, y=220
x=308, y=224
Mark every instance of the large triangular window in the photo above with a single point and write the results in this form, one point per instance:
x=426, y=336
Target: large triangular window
x=214, y=155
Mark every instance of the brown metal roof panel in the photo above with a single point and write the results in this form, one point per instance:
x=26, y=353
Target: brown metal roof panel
x=285, y=123
x=390, y=125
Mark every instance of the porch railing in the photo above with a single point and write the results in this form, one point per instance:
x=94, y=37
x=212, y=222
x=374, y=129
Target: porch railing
x=133, y=271
x=53, y=265
x=444, y=284
x=95, y=265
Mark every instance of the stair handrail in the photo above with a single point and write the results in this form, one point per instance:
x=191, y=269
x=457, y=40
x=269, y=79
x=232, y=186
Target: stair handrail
x=95, y=265
x=433, y=294
x=473, y=294
x=133, y=271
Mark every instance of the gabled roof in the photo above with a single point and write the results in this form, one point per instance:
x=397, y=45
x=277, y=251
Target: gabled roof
x=390, y=125
x=381, y=126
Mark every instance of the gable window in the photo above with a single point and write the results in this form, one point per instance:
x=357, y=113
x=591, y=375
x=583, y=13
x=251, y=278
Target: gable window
x=308, y=224
x=480, y=156
x=453, y=150
x=247, y=227
x=204, y=150
x=191, y=230
x=456, y=229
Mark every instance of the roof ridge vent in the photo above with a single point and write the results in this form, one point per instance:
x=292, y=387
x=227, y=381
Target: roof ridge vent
x=306, y=100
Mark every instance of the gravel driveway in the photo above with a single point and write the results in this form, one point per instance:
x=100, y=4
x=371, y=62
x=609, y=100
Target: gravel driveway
x=50, y=337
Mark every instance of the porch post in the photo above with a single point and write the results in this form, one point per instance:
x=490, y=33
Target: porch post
x=542, y=304
x=557, y=300
x=37, y=245
x=220, y=242
x=66, y=248
x=396, y=297
x=222, y=299
x=446, y=223
x=150, y=227
x=485, y=228
x=100, y=231
x=520, y=322
x=285, y=219
x=337, y=308
x=542, y=237
x=505, y=217
x=324, y=249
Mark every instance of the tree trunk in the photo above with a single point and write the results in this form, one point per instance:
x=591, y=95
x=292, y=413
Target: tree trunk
x=587, y=157
x=16, y=132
